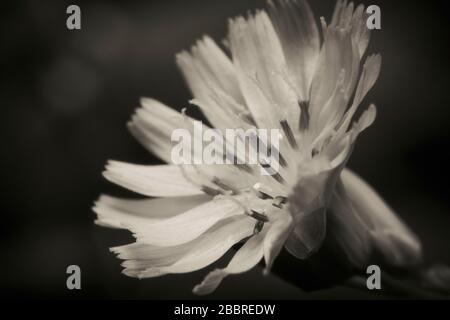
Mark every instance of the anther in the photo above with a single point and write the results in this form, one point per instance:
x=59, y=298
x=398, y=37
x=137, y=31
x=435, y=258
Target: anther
x=282, y=161
x=224, y=186
x=210, y=191
x=278, y=178
x=304, y=115
x=241, y=166
x=279, y=201
x=244, y=167
x=258, y=227
x=258, y=216
x=288, y=133
x=271, y=150
x=247, y=117
x=260, y=193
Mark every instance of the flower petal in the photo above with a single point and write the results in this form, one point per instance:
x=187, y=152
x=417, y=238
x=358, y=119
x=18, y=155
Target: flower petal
x=308, y=234
x=335, y=77
x=198, y=253
x=152, y=126
x=391, y=237
x=276, y=236
x=365, y=120
x=245, y=259
x=261, y=67
x=369, y=76
x=344, y=16
x=186, y=226
x=116, y=212
x=208, y=67
x=212, y=80
x=347, y=229
x=299, y=36
x=308, y=204
x=153, y=181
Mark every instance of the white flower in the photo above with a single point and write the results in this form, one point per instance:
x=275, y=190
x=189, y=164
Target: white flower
x=280, y=75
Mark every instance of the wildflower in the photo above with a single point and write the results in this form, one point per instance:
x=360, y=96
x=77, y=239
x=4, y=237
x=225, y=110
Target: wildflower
x=284, y=74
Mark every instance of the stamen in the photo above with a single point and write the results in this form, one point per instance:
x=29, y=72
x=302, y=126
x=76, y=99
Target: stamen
x=247, y=117
x=264, y=195
x=244, y=167
x=207, y=189
x=258, y=227
x=210, y=191
x=304, y=115
x=288, y=133
x=224, y=186
x=281, y=160
x=278, y=178
x=276, y=175
x=279, y=201
x=241, y=166
x=258, y=216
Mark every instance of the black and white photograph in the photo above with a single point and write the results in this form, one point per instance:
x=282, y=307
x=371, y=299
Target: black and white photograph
x=223, y=150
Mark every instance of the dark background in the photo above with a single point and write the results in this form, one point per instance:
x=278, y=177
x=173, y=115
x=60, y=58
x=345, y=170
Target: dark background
x=66, y=96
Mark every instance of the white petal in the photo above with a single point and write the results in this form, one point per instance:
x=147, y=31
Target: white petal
x=245, y=259
x=299, y=36
x=369, y=76
x=212, y=78
x=154, y=181
x=202, y=251
x=117, y=212
x=219, y=111
x=308, y=234
x=204, y=80
x=335, y=77
x=278, y=232
x=366, y=119
x=261, y=67
x=307, y=204
x=344, y=16
x=208, y=66
x=348, y=230
x=391, y=236
x=153, y=124
x=360, y=32
x=141, y=256
x=187, y=226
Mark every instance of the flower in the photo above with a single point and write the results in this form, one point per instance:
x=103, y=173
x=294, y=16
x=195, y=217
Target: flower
x=283, y=73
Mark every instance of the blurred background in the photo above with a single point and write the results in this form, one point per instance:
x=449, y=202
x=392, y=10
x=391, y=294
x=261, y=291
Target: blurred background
x=66, y=96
